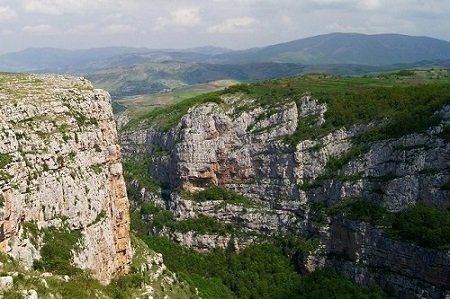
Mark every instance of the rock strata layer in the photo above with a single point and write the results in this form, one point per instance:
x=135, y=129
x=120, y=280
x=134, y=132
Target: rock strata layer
x=244, y=149
x=60, y=166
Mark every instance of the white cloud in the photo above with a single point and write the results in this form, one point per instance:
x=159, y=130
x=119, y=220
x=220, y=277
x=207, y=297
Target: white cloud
x=6, y=32
x=83, y=28
x=42, y=7
x=6, y=13
x=61, y=7
x=234, y=25
x=286, y=20
x=184, y=17
x=118, y=29
x=167, y=23
x=43, y=29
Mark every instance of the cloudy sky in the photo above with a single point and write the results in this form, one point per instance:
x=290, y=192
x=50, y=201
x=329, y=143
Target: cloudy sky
x=225, y=23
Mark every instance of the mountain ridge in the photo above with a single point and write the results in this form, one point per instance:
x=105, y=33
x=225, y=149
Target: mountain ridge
x=332, y=48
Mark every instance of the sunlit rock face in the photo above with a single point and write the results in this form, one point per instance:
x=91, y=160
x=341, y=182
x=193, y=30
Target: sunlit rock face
x=61, y=166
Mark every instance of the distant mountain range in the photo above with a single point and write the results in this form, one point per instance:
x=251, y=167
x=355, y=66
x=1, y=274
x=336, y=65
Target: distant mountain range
x=132, y=71
x=346, y=48
x=334, y=48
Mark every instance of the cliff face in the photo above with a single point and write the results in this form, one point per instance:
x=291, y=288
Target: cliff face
x=60, y=167
x=244, y=150
x=214, y=145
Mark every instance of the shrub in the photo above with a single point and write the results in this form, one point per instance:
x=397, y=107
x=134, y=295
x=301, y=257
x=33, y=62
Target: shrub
x=360, y=209
x=138, y=169
x=56, y=254
x=326, y=283
x=446, y=186
x=446, y=133
x=216, y=193
x=5, y=159
x=424, y=225
x=336, y=163
x=258, y=271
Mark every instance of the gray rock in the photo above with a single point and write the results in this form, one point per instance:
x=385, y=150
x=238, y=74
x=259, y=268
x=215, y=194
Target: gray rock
x=244, y=150
x=6, y=281
x=64, y=169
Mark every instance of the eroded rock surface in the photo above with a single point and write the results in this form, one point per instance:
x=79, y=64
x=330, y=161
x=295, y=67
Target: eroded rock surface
x=245, y=150
x=61, y=166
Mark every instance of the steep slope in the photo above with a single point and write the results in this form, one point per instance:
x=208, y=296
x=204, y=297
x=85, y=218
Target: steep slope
x=351, y=162
x=61, y=175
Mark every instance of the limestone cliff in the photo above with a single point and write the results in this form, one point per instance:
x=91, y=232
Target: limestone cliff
x=245, y=150
x=61, y=167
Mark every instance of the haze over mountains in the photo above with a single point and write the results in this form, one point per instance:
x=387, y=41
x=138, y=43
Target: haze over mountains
x=334, y=48
x=127, y=71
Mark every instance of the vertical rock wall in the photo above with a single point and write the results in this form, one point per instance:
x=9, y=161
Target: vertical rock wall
x=60, y=166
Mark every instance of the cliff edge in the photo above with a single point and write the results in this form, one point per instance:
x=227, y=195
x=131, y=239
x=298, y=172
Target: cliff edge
x=61, y=173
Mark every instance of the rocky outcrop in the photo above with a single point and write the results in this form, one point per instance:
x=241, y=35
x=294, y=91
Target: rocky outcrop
x=61, y=166
x=241, y=146
x=245, y=151
x=203, y=242
x=366, y=255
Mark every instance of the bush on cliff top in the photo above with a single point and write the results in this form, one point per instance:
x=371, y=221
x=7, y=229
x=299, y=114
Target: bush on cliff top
x=407, y=102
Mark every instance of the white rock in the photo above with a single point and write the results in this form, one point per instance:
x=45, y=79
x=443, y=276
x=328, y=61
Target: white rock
x=32, y=294
x=6, y=281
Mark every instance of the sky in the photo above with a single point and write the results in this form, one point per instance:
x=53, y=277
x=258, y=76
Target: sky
x=235, y=24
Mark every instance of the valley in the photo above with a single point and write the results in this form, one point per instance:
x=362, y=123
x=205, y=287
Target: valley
x=316, y=158
x=307, y=169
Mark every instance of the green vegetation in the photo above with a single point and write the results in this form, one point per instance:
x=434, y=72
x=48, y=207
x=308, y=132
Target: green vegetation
x=82, y=285
x=334, y=164
x=96, y=168
x=258, y=271
x=406, y=102
x=57, y=251
x=139, y=105
x=137, y=169
x=216, y=193
x=360, y=209
x=167, y=117
x=446, y=186
x=100, y=216
x=201, y=224
x=117, y=107
x=308, y=185
x=293, y=245
x=5, y=159
x=306, y=129
x=265, y=270
x=31, y=231
x=446, y=133
x=327, y=283
x=318, y=212
x=425, y=225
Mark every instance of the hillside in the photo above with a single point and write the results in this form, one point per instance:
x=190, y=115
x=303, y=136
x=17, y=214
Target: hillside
x=334, y=176
x=346, y=48
x=328, y=49
x=150, y=78
x=64, y=210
